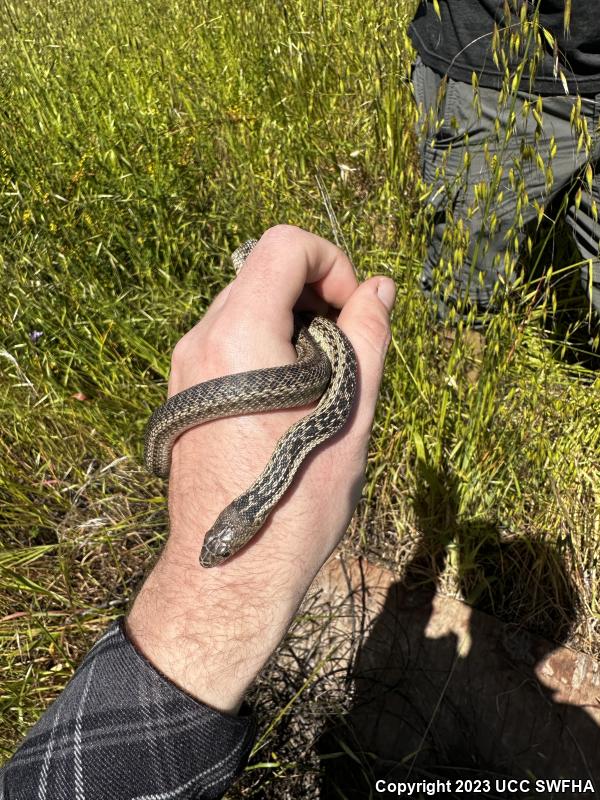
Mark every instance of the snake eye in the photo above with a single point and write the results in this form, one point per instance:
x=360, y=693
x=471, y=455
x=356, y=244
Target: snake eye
x=223, y=552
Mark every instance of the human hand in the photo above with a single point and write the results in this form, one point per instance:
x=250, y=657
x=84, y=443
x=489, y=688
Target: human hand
x=211, y=631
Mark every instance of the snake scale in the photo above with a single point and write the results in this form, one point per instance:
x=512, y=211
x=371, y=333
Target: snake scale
x=325, y=369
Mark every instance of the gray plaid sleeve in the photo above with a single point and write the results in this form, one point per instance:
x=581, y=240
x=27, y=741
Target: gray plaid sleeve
x=123, y=731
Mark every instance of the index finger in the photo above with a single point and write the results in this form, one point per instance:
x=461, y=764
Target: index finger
x=284, y=260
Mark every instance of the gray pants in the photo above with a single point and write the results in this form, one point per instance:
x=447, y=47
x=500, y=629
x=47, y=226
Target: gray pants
x=463, y=149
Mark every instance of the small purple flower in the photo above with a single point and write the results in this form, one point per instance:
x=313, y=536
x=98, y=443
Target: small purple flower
x=35, y=336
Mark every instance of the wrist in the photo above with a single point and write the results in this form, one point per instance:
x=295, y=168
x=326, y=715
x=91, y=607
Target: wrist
x=212, y=631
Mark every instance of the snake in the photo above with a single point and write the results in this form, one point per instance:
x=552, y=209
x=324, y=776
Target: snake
x=325, y=370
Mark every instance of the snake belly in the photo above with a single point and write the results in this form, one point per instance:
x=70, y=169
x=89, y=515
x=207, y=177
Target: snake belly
x=325, y=369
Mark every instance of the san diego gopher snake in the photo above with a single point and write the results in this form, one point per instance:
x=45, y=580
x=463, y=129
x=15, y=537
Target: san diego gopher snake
x=326, y=368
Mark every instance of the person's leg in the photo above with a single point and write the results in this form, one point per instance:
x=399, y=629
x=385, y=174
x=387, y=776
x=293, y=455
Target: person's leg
x=583, y=219
x=486, y=184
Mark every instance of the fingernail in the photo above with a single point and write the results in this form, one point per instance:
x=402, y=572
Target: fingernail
x=386, y=292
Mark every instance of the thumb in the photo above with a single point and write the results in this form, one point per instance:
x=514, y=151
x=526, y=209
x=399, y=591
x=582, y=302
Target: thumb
x=365, y=319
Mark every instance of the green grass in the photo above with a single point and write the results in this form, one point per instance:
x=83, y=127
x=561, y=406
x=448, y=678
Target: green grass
x=140, y=143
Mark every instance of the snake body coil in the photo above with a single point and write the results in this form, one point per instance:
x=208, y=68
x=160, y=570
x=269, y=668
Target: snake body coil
x=326, y=368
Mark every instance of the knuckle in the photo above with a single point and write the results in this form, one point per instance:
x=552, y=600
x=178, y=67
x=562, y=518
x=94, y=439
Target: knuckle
x=180, y=353
x=197, y=357
x=280, y=234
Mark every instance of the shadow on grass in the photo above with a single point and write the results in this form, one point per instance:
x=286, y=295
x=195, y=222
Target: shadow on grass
x=436, y=701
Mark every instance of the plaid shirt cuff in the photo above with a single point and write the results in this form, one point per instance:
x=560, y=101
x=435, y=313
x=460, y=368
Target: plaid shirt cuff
x=121, y=730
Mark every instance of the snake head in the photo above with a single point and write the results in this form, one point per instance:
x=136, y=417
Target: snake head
x=228, y=534
x=214, y=553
